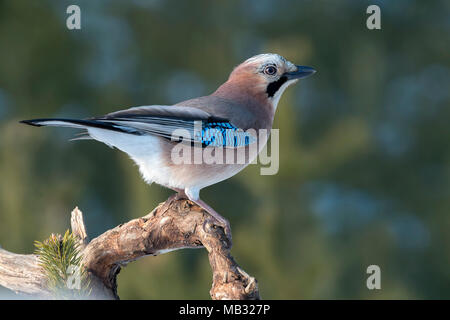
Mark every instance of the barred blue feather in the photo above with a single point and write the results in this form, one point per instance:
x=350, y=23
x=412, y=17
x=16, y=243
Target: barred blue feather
x=223, y=134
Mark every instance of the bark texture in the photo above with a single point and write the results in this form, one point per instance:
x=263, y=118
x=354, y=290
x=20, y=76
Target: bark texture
x=174, y=224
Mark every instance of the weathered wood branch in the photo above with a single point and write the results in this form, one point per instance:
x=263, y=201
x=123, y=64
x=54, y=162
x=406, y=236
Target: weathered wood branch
x=174, y=224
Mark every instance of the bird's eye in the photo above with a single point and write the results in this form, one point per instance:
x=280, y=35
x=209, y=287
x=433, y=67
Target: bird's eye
x=270, y=70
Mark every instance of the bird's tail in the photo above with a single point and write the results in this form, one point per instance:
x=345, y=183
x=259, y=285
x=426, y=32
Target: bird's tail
x=80, y=124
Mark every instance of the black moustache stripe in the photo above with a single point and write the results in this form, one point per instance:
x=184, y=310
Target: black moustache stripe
x=273, y=87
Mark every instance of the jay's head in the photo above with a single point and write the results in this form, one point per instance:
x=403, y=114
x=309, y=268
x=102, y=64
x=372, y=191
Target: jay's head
x=266, y=76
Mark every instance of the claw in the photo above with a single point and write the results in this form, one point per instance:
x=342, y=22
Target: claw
x=225, y=225
x=219, y=220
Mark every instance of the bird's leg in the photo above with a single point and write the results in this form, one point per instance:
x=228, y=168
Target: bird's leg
x=180, y=193
x=221, y=220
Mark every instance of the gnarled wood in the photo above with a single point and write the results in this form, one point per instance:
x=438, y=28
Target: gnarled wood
x=174, y=224
x=21, y=273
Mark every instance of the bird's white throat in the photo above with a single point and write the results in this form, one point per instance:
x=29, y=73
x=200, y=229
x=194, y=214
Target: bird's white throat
x=276, y=97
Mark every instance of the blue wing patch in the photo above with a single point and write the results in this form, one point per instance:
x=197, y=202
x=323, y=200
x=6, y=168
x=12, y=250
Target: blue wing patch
x=223, y=134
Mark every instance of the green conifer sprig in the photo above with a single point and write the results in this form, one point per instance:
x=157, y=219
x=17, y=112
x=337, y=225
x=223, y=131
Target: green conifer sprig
x=61, y=260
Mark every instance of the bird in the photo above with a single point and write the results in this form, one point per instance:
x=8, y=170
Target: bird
x=223, y=120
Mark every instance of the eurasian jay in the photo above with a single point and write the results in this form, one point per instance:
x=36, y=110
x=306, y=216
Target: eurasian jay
x=221, y=121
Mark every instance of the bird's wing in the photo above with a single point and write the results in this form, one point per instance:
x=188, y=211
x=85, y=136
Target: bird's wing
x=187, y=123
x=188, y=113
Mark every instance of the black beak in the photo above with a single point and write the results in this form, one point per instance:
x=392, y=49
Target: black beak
x=301, y=72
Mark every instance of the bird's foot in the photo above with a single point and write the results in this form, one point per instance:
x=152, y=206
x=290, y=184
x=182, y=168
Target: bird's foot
x=180, y=194
x=213, y=222
x=218, y=220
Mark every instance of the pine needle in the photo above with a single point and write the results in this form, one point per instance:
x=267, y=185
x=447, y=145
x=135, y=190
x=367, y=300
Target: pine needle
x=61, y=260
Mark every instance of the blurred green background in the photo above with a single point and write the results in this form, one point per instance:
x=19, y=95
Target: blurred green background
x=364, y=144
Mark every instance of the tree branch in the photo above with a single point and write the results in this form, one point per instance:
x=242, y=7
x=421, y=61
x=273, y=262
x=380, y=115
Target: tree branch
x=174, y=224
x=21, y=273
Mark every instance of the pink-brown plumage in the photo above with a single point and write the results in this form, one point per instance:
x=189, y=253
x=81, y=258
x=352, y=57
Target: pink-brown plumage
x=247, y=100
